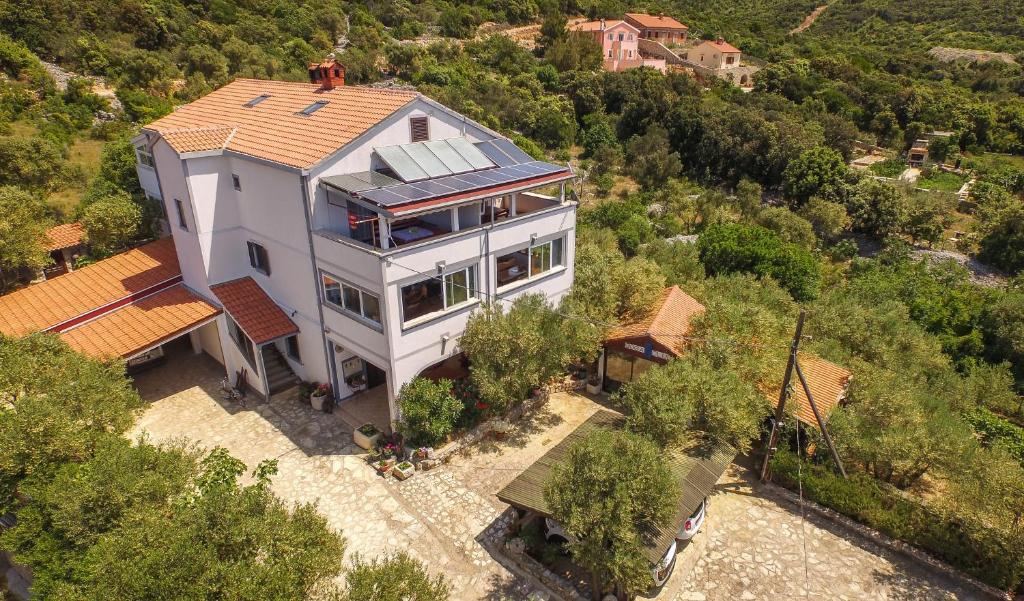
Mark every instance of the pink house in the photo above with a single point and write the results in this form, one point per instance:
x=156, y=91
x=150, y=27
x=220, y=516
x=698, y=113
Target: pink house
x=618, y=40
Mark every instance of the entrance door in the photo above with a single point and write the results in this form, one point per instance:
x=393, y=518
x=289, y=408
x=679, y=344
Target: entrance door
x=375, y=376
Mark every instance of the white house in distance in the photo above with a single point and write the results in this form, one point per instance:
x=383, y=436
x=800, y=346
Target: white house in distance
x=348, y=232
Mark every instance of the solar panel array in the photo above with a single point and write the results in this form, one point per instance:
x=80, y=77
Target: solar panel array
x=456, y=184
x=432, y=159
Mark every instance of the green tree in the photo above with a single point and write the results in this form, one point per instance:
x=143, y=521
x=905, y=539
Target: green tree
x=34, y=163
x=111, y=223
x=670, y=403
x=429, y=410
x=613, y=491
x=651, y=160
x=728, y=248
x=878, y=208
x=574, y=53
x=395, y=577
x=515, y=351
x=679, y=261
x=1003, y=242
x=55, y=406
x=819, y=171
x=23, y=226
x=607, y=287
x=788, y=225
x=748, y=197
x=829, y=219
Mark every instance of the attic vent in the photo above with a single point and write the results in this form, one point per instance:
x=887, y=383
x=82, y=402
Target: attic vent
x=316, y=106
x=257, y=100
x=419, y=129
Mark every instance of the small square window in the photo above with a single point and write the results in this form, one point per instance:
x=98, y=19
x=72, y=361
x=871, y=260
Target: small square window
x=419, y=129
x=258, y=258
x=237, y=183
x=180, y=208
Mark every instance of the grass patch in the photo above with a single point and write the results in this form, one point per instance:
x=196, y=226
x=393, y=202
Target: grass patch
x=941, y=181
x=888, y=168
x=993, y=162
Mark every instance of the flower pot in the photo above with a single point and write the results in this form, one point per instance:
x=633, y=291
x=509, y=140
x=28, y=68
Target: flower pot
x=385, y=465
x=404, y=470
x=318, y=401
x=594, y=387
x=363, y=440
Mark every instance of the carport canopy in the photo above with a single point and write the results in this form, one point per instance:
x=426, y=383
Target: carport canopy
x=696, y=468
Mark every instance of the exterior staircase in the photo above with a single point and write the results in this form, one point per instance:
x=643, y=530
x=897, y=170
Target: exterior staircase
x=279, y=375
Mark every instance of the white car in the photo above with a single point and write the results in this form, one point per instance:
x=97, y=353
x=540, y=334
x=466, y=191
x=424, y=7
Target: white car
x=694, y=522
x=660, y=573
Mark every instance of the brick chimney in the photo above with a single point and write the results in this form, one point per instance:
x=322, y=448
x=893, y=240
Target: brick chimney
x=720, y=40
x=329, y=74
x=602, y=25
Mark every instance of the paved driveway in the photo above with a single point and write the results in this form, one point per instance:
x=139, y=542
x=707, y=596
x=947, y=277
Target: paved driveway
x=754, y=545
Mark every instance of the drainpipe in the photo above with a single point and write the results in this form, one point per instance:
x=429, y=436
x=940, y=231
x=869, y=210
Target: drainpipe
x=317, y=284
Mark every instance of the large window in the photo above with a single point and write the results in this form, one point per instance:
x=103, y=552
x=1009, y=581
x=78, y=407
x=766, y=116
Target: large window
x=530, y=262
x=352, y=300
x=242, y=341
x=434, y=295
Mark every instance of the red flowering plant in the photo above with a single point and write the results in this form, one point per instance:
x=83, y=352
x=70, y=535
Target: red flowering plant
x=322, y=390
x=474, y=408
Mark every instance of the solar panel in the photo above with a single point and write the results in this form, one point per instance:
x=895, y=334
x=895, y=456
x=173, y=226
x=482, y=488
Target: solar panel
x=401, y=163
x=495, y=154
x=469, y=152
x=512, y=150
x=448, y=156
x=427, y=160
x=404, y=193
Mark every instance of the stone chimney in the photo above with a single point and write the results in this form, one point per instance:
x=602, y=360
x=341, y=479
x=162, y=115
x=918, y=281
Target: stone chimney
x=720, y=40
x=602, y=24
x=329, y=74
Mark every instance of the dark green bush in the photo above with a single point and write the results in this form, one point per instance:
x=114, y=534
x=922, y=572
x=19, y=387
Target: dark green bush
x=429, y=411
x=983, y=552
x=735, y=247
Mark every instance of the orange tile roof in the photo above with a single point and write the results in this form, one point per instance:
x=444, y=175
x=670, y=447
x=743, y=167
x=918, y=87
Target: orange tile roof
x=63, y=236
x=49, y=304
x=597, y=25
x=273, y=129
x=667, y=323
x=253, y=310
x=719, y=45
x=827, y=382
x=143, y=324
x=655, y=21
x=199, y=139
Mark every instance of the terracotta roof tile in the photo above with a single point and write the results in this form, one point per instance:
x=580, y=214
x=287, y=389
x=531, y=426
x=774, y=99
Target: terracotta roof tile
x=141, y=325
x=719, y=45
x=53, y=302
x=667, y=323
x=273, y=129
x=253, y=310
x=827, y=382
x=655, y=21
x=66, y=235
x=597, y=25
x=199, y=139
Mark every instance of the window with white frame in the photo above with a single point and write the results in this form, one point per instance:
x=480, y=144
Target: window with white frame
x=145, y=156
x=435, y=295
x=528, y=262
x=350, y=299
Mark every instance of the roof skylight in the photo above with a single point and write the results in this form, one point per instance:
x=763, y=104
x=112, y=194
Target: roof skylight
x=257, y=100
x=316, y=106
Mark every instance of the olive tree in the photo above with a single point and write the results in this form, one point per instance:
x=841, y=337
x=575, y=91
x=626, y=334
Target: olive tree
x=613, y=490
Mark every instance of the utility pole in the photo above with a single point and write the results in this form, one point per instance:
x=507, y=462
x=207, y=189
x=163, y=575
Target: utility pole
x=780, y=409
x=821, y=422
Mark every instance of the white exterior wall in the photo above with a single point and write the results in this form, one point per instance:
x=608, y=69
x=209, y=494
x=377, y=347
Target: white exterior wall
x=269, y=210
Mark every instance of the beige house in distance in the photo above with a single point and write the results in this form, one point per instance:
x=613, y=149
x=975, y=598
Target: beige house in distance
x=716, y=55
x=659, y=28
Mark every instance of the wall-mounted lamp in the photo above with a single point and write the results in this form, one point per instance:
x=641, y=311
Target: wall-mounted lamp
x=440, y=267
x=444, y=342
x=533, y=238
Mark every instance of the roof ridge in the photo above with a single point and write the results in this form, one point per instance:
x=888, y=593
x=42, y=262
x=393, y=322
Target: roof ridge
x=666, y=296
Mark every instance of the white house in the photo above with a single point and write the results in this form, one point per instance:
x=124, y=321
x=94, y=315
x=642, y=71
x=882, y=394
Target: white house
x=348, y=232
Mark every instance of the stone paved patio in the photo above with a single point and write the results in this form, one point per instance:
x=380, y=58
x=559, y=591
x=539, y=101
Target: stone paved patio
x=753, y=547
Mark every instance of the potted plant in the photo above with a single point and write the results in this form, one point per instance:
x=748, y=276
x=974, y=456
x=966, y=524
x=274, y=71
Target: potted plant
x=366, y=436
x=320, y=396
x=385, y=464
x=594, y=383
x=357, y=383
x=404, y=470
x=500, y=427
x=305, y=390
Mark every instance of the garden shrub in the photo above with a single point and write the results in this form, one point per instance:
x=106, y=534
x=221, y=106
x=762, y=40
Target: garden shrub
x=728, y=248
x=429, y=411
x=995, y=430
x=988, y=554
